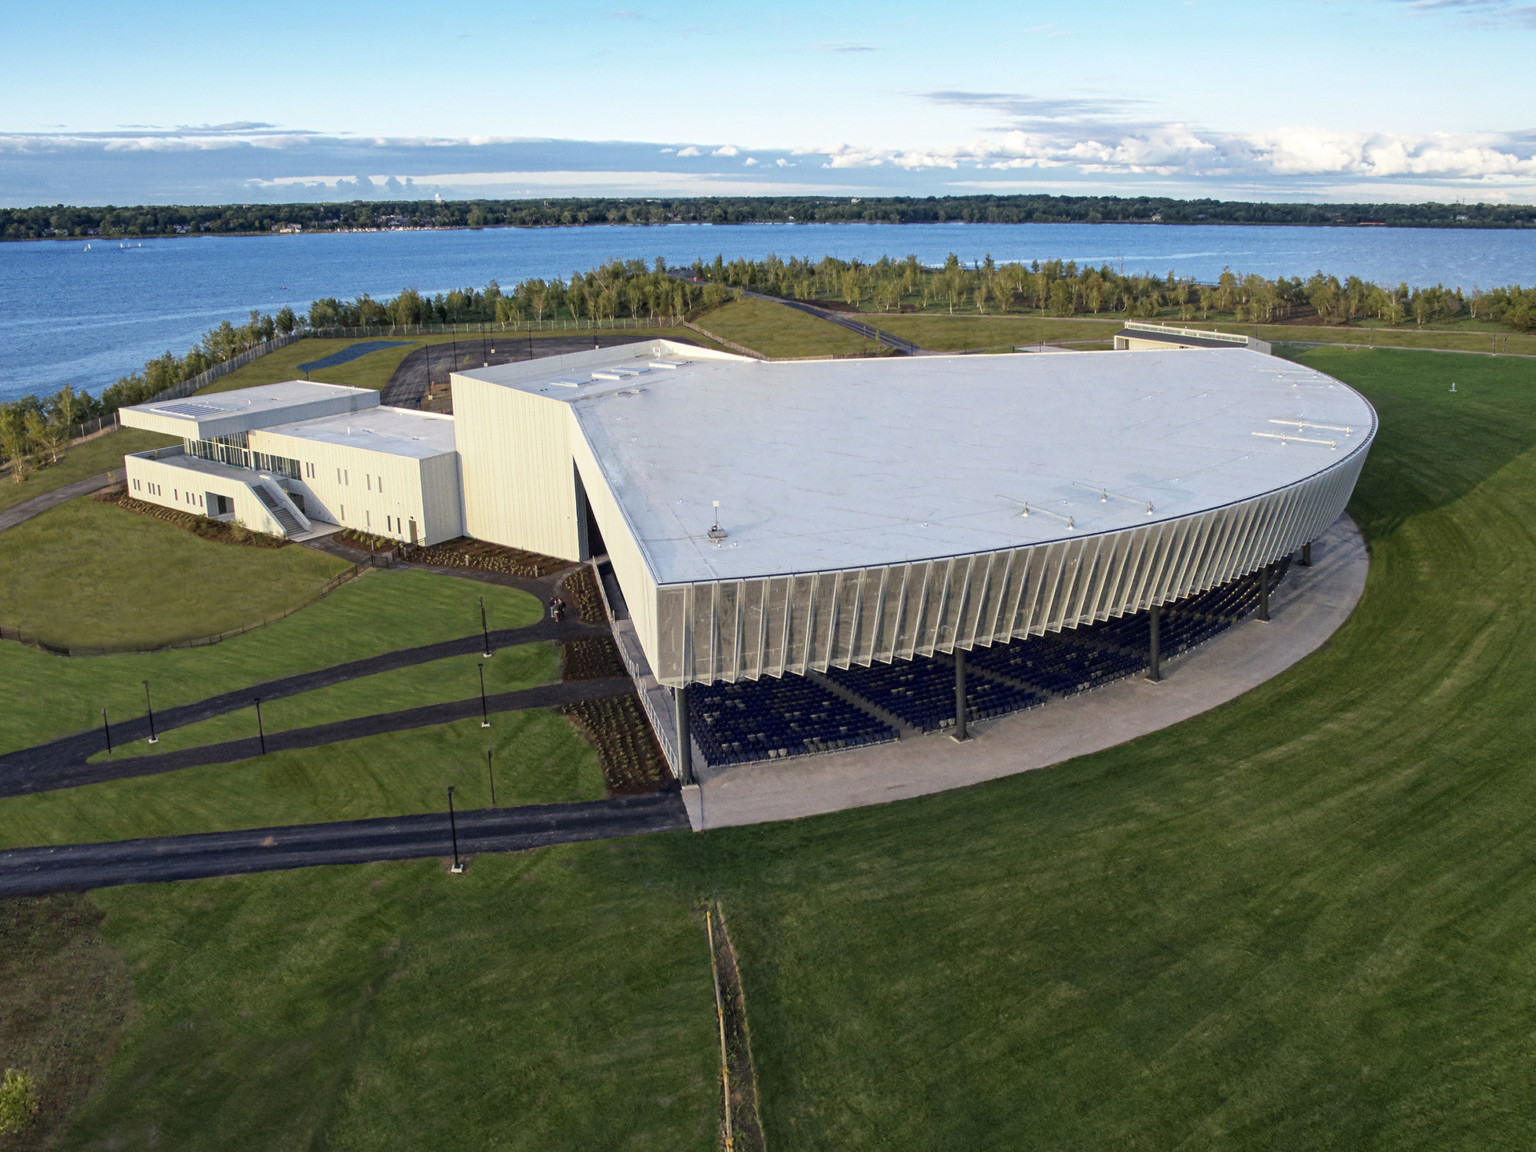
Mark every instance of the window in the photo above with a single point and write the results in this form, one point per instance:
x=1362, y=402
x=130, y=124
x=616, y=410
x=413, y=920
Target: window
x=367, y=519
x=282, y=465
x=381, y=483
x=369, y=479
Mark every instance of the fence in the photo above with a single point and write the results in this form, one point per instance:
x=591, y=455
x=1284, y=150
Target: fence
x=485, y=328
x=325, y=590
x=203, y=379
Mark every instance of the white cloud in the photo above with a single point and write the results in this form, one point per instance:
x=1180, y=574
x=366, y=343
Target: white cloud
x=750, y=162
x=689, y=151
x=728, y=150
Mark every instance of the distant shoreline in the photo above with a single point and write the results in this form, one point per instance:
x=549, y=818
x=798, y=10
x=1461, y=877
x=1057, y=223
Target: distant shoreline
x=762, y=223
x=143, y=222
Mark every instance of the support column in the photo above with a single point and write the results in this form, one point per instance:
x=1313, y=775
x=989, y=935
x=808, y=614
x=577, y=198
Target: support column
x=684, y=737
x=1264, y=593
x=1306, y=554
x=960, y=732
x=1155, y=661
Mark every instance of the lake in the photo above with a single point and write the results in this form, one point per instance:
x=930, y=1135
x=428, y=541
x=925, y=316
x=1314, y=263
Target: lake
x=72, y=316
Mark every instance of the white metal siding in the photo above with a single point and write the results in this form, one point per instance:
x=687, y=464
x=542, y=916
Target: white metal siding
x=187, y=490
x=629, y=565
x=515, y=453
x=370, y=491
x=743, y=629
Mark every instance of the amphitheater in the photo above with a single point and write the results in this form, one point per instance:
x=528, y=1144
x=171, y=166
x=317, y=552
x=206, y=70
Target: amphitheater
x=839, y=581
x=843, y=556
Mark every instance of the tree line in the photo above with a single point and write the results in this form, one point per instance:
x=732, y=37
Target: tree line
x=33, y=430
x=1063, y=289
x=59, y=220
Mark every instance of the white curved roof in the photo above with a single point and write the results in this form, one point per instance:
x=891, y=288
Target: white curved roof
x=838, y=464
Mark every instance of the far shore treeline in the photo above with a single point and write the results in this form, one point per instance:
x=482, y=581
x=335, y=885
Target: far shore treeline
x=64, y=221
x=39, y=426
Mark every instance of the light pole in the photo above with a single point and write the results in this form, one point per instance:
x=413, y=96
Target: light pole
x=485, y=718
x=490, y=768
x=153, y=739
x=453, y=828
x=106, y=730
x=260, y=730
x=485, y=630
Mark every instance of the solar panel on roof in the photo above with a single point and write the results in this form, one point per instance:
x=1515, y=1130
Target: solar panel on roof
x=192, y=411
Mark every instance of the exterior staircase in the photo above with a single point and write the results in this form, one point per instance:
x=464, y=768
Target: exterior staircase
x=283, y=510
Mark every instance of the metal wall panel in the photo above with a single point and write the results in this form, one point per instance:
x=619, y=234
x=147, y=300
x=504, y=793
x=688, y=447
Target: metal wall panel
x=515, y=457
x=746, y=629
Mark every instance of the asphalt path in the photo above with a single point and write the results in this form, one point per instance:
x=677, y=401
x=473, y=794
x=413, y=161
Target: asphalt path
x=33, y=769
x=22, y=780
x=408, y=383
x=36, y=506
x=78, y=867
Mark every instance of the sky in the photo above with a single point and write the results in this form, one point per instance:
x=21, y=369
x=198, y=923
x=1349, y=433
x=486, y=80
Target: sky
x=1306, y=100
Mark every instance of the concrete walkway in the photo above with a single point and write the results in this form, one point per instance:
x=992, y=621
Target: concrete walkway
x=1307, y=609
x=39, y=504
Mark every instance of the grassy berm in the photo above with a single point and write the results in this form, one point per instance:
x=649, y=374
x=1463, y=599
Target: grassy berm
x=1303, y=920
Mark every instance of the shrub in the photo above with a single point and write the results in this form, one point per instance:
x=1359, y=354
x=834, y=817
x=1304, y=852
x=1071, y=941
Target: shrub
x=18, y=1101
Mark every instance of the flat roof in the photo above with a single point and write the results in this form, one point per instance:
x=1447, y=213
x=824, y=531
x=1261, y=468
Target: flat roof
x=393, y=431
x=831, y=464
x=206, y=417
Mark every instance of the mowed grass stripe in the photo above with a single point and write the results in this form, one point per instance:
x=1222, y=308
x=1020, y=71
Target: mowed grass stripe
x=438, y=681
x=51, y=696
x=539, y=759
x=779, y=331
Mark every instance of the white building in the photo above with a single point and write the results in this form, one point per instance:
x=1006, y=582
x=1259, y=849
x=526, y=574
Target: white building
x=289, y=458
x=763, y=519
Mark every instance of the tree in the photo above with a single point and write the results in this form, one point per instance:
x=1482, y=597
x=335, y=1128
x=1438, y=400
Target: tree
x=15, y=441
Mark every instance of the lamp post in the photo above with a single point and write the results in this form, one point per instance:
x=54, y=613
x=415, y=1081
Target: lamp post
x=261, y=731
x=453, y=829
x=153, y=739
x=485, y=630
x=106, y=730
x=485, y=718
x=490, y=768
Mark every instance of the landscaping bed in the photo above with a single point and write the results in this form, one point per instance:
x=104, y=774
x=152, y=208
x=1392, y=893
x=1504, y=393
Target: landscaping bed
x=592, y=658
x=617, y=727
x=219, y=531
x=582, y=591
x=467, y=553
x=364, y=541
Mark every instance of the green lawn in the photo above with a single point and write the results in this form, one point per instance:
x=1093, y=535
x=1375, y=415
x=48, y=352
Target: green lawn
x=778, y=331
x=87, y=573
x=543, y=1001
x=1302, y=920
x=89, y=459
x=954, y=333
x=457, y=678
x=48, y=696
x=539, y=759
